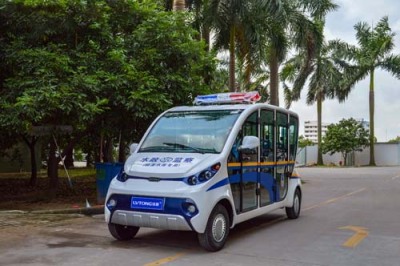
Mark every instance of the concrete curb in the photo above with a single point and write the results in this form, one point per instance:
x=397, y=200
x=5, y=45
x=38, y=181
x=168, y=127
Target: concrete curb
x=86, y=211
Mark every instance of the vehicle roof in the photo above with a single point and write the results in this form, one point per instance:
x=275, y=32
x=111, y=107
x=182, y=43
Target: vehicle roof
x=215, y=107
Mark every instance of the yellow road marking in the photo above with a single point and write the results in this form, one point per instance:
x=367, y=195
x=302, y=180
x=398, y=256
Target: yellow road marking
x=360, y=234
x=165, y=260
x=334, y=199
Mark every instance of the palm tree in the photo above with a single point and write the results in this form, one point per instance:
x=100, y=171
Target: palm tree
x=198, y=8
x=325, y=79
x=227, y=20
x=249, y=29
x=293, y=26
x=260, y=30
x=324, y=82
x=179, y=5
x=374, y=51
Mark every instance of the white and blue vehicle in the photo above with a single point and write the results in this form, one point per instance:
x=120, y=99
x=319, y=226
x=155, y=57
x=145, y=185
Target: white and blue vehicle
x=206, y=168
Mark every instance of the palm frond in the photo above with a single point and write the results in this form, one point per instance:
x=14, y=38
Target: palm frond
x=287, y=95
x=363, y=33
x=391, y=64
x=319, y=9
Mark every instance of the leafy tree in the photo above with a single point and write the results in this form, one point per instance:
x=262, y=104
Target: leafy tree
x=304, y=142
x=344, y=137
x=395, y=140
x=52, y=76
x=374, y=51
x=104, y=67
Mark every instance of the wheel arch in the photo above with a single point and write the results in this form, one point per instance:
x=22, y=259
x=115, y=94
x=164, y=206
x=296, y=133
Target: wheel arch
x=300, y=191
x=294, y=184
x=228, y=206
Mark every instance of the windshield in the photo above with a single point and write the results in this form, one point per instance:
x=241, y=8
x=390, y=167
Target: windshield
x=191, y=132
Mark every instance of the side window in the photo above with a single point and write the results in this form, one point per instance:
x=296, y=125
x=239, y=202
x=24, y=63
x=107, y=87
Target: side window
x=267, y=136
x=282, y=140
x=250, y=126
x=293, y=135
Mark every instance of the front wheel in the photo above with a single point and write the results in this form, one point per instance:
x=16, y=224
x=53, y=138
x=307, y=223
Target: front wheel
x=294, y=211
x=217, y=230
x=122, y=232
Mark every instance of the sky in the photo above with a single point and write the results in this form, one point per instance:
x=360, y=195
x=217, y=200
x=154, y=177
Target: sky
x=340, y=25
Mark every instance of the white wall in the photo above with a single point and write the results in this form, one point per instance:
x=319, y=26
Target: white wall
x=386, y=154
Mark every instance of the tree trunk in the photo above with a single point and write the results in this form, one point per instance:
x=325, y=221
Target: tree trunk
x=319, y=114
x=274, y=78
x=89, y=158
x=206, y=37
x=101, y=152
x=179, y=5
x=69, y=159
x=247, y=73
x=121, y=151
x=31, y=145
x=371, y=121
x=168, y=5
x=52, y=170
x=52, y=164
x=205, y=34
x=232, y=85
x=108, y=150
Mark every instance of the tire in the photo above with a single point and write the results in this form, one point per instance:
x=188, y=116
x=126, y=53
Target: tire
x=122, y=232
x=217, y=230
x=294, y=211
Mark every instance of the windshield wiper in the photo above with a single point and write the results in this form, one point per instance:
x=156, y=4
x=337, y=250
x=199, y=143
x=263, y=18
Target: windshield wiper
x=182, y=146
x=210, y=150
x=155, y=149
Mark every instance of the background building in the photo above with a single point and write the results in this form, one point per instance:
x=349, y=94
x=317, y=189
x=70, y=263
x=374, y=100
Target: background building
x=311, y=130
x=364, y=123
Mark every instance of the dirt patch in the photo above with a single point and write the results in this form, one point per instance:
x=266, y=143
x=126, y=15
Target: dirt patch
x=17, y=194
x=21, y=226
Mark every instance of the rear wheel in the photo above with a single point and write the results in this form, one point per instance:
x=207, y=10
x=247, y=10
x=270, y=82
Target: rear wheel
x=217, y=230
x=294, y=211
x=122, y=232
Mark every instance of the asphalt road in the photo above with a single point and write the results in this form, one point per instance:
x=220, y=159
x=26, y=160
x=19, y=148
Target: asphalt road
x=350, y=216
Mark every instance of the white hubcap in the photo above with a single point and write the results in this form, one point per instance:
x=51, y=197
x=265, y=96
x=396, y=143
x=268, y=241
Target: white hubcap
x=219, y=228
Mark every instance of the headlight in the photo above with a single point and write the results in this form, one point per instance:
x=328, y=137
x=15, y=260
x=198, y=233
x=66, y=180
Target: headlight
x=190, y=208
x=122, y=176
x=111, y=203
x=204, y=175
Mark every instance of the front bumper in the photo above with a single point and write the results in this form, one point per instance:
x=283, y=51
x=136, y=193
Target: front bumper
x=152, y=220
x=173, y=216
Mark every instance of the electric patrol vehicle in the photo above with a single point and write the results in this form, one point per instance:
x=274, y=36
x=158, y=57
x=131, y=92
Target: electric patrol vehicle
x=206, y=168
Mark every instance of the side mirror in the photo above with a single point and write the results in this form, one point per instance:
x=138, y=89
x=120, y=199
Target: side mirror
x=250, y=143
x=133, y=147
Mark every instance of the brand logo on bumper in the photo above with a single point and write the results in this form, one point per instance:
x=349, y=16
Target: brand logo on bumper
x=147, y=203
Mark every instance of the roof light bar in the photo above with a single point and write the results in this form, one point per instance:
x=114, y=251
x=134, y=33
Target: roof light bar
x=231, y=97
